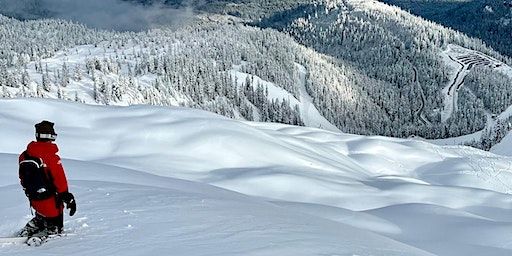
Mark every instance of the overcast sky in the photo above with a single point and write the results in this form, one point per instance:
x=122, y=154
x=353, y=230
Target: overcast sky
x=104, y=14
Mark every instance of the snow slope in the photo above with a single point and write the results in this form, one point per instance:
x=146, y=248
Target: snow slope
x=125, y=212
x=308, y=112
x=188, y=182
x=504, y=147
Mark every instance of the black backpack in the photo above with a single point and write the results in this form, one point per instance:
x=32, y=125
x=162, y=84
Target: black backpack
x=35, y=180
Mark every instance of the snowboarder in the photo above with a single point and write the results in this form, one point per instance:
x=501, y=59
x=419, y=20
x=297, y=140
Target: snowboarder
x=44, y=182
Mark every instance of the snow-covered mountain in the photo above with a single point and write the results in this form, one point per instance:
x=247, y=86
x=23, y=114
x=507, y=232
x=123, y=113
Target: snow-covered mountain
x=356, y=66
x=188, y=182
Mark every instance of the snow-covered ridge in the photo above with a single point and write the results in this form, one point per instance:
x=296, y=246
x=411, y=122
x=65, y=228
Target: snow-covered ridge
x=303, y=191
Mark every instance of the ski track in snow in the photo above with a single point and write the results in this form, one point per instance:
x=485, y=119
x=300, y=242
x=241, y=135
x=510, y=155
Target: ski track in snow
x=420, y=112
x=309, y=113
x=153, y=180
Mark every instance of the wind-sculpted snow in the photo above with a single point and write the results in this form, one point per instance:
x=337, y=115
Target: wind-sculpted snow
x=187, y=218
x=143, y=179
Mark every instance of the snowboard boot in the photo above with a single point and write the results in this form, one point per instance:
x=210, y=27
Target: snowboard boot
x=35, y=225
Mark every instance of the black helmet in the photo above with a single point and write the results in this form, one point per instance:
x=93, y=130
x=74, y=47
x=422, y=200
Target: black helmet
x=45, y=131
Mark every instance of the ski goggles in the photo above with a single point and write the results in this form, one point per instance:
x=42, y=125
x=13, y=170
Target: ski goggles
x=46, y=136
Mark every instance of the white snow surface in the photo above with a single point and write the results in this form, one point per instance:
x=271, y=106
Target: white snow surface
x=176, y=181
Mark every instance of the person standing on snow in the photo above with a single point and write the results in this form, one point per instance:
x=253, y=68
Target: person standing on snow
x=44, y=182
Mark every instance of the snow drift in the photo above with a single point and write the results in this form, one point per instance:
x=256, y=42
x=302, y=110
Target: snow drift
x=188, y=182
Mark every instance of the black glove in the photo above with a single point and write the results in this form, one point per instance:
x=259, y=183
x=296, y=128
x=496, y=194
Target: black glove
x=69, y=200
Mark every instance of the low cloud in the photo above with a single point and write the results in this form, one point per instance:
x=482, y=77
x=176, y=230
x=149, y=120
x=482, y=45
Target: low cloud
x=103, y=14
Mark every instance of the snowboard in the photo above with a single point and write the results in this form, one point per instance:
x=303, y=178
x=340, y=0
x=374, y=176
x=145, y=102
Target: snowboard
x=30, y=241
x=13, y=240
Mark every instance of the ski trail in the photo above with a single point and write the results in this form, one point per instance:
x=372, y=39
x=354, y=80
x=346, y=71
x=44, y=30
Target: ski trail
x=309, y=113
x=451, y=91
x=420, y=112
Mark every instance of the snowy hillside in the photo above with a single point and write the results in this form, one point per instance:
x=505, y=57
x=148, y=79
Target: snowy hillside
x=470, y=70
x=357, y=66
x=254, y=188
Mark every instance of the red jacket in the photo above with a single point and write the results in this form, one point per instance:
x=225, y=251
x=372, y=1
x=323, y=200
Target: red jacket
x=47, y=151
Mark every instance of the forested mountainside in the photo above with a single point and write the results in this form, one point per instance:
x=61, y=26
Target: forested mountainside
x=368, y=68
x=402, y=53
x=191, y=67
x=489, y=20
